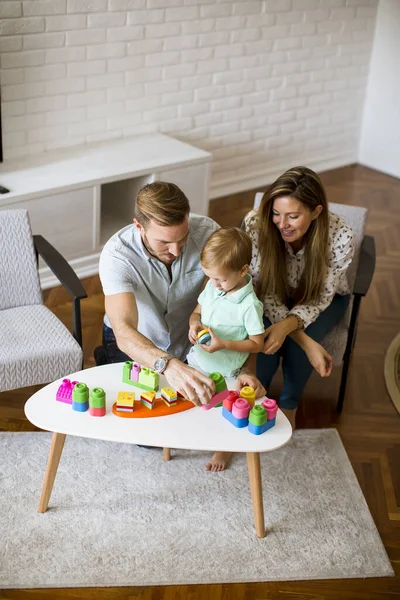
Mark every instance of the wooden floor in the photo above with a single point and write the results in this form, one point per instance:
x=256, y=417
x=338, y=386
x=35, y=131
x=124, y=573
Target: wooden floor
x=369, y=425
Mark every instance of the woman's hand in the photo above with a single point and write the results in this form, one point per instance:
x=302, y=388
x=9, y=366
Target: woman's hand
x=320, y=359
x=215, y=344
x=275, y=335
x=194, y=330
x=247, y=377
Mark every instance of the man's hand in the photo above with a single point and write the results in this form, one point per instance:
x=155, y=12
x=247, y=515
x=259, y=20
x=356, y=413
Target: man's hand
x=247, y=377
x=275, y=335
x=194, y=329
x=215, y=343
x=320, y=359
x=195, y=386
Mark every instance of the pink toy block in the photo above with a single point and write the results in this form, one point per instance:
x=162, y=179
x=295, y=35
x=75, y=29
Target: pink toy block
x=97, y=412
x=271, y=408
x=230, y=399
x=216, y=399
x=135, y=370
x=241, y=408
x=64, y=392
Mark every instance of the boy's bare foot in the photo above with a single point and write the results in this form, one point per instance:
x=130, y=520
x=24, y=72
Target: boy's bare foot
x=219, y=461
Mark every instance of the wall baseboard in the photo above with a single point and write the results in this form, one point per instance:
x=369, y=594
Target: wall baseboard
x=258, y=179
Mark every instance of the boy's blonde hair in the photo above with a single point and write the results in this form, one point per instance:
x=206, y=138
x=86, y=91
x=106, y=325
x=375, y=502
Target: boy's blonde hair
x=228, y=248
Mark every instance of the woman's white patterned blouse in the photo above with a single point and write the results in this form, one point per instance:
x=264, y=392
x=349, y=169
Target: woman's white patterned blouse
x=341, y=251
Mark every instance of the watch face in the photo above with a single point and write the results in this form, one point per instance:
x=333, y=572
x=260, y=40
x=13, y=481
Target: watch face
x=159, y=365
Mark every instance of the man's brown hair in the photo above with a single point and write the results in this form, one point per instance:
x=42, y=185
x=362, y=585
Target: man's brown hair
x=162, y=202
x=228, y=248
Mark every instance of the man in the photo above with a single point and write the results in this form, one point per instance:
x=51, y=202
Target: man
x=151, y=277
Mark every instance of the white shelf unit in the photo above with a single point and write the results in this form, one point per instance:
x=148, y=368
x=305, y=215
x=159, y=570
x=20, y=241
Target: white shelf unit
x=79, y=197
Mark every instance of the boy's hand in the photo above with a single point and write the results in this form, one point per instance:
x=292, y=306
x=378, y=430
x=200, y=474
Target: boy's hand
x=215, y=344
x=194, y=330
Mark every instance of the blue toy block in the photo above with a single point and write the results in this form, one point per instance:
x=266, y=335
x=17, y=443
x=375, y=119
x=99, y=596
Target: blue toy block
x=239, y=423
x=204, y=339
x=80, y=406
x=259, y=429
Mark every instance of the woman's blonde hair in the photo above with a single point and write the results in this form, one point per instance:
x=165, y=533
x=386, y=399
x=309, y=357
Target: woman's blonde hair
x=162, y=202
x=305, y=186
x=228, y=248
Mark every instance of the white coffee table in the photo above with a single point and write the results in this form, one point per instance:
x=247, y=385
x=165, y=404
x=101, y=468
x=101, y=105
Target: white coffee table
x=194, y=429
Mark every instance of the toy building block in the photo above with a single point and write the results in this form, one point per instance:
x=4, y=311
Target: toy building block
x=230, y=399
x=135, y=370
x=148, y=379
x=97, y=402
x=241, y=409
x=221, y=391
x=64, y=392
x=271, y=407
x=248, y=394
x=181, y=397
x=169, y=396
x=203, y=337
x=258, y=420
x=125, y=402
x=148, y=399
x=80, y=397
x=239, y=423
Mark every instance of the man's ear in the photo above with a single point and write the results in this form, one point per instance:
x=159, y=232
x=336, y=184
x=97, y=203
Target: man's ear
x=138, y=225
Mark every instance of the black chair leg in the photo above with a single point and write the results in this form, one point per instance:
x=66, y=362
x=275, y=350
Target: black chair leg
x=343, y=383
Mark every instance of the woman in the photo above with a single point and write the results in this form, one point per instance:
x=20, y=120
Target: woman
x=301, y=253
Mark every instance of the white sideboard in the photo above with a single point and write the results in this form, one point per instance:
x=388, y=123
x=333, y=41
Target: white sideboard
x=77, y=198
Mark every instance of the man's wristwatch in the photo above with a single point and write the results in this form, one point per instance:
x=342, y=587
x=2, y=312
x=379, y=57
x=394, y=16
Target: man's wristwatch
x=160, y=364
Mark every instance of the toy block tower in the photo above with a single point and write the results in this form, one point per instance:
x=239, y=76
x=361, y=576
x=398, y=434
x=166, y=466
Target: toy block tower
x=97, y=402
x=64, y=392
x=80, y=397
x=221, y=391
x=125, y=402
x=239, y=416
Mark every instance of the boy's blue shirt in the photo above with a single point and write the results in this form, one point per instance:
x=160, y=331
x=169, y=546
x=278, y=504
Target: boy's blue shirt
x=232, y=317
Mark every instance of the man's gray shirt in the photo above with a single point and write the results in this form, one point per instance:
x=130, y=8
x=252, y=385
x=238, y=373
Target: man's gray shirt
x=164, y=303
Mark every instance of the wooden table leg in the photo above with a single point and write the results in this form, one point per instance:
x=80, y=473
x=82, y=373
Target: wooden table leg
x=167, y=454
x=56, y=448
x=253, y=465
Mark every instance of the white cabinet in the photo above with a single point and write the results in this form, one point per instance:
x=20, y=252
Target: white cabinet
x=79, y=197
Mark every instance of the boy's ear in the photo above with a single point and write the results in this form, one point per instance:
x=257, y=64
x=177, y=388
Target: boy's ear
x=244, y=270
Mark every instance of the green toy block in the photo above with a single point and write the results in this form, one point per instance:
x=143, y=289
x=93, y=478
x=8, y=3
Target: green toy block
x=97, y=398
x=149, y=381
x=219, y=380
x=149, y=378
x=258, y=415
x=80, y=393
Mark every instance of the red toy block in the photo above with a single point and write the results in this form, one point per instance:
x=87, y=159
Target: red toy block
x=230, y=399
x=97, y=412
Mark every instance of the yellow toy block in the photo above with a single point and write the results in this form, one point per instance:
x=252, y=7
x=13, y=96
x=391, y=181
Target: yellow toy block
x=169, y=394
x=126, y=399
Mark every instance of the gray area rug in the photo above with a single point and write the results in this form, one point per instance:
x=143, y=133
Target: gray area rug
x=120, y=516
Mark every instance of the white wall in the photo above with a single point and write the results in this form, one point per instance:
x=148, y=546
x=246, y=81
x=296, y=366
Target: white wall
x=262, y=84
x=380, y=138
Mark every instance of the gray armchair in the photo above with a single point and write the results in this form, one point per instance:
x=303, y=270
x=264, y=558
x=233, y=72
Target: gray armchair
x=340, y=341
x=35, y=346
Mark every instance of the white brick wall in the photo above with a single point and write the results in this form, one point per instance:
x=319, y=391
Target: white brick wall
x=263, y=84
